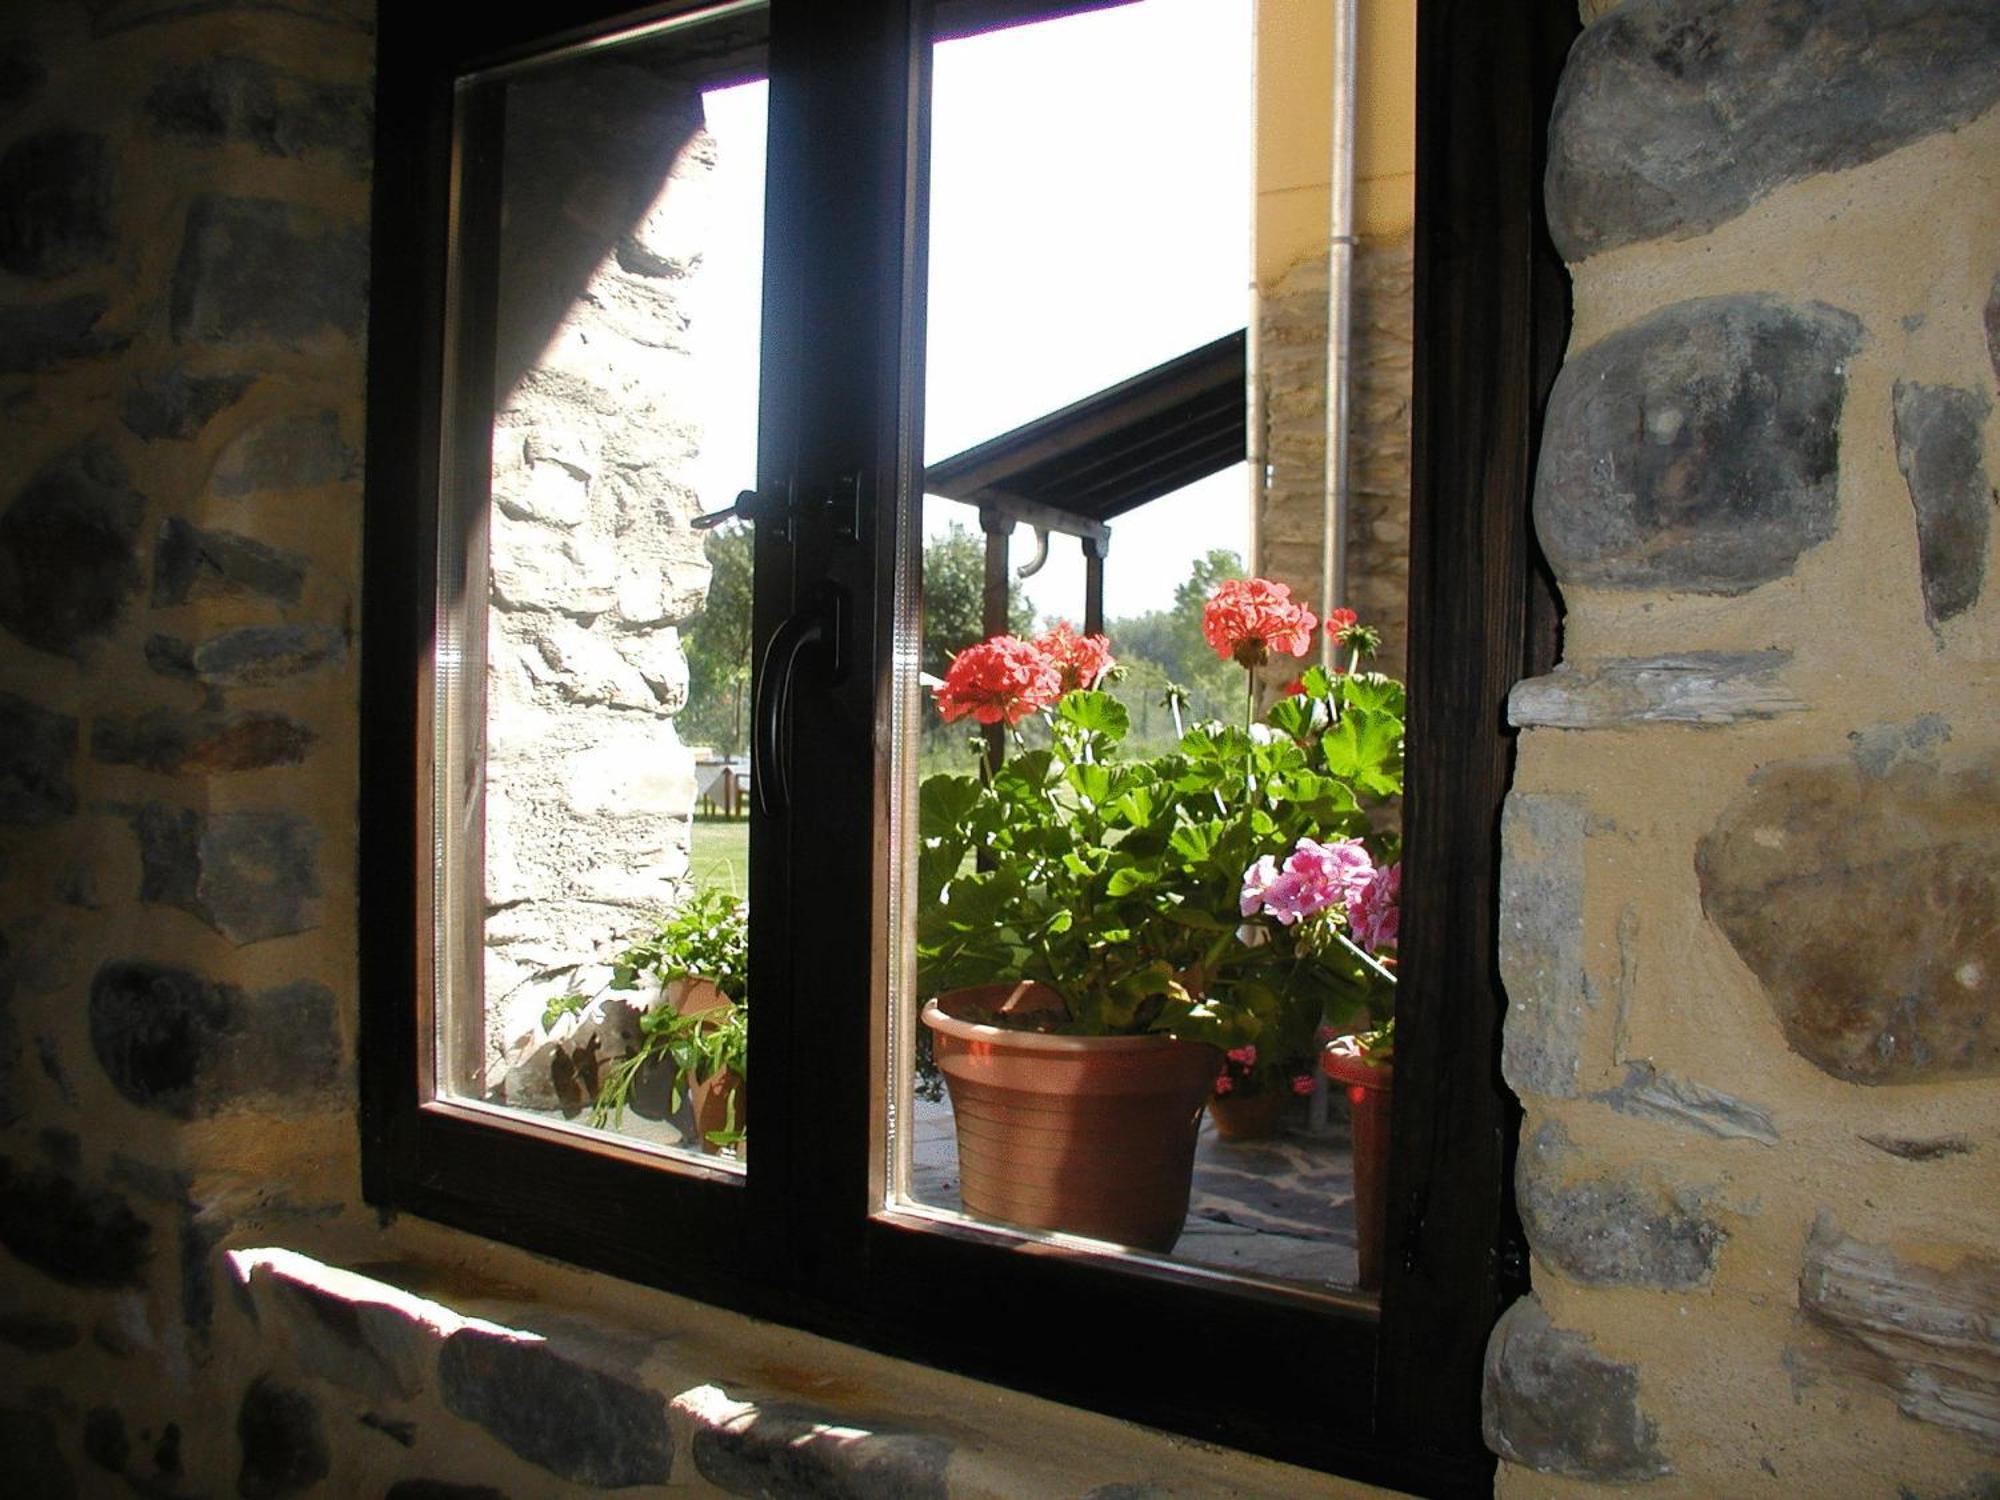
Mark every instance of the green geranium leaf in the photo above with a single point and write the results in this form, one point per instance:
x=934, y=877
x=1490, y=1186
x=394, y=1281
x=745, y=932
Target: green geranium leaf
x=1195, y=842
x=1093, y=781
x=1371, y=690
x=1291, y=716
x=1130, y=878
x=1099, y=713
x=944, y=802
x=1366, y=748
x=1317, y=681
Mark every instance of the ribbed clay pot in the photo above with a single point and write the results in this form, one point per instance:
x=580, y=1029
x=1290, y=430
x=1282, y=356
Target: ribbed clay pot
x=711, y=1108
x=1088, y=1135
x=1370, y=1089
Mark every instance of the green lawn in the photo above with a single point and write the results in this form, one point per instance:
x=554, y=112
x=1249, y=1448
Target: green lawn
x=720, y=855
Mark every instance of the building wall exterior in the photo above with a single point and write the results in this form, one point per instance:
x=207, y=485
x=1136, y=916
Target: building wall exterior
x=1752, y=853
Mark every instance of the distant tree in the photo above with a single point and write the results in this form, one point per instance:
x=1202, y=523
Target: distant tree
x=955, y=597
x=717, y=642
x=1166, y=645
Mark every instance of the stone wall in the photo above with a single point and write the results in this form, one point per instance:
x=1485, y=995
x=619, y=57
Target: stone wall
x=1751, y=911
x=1292, y=331
x=594, y=567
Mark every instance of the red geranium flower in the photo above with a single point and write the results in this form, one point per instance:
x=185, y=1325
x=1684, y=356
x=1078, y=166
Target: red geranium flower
x=1249, y=618
x=1081, y=659
x=1001, y=678
x=1338, y=620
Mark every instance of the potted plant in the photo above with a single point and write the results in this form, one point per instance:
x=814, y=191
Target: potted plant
x=1078, y=906
x=698, y=959
x=1253, y=1088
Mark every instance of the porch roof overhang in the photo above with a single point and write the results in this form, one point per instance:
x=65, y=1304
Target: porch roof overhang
x=1075, y=469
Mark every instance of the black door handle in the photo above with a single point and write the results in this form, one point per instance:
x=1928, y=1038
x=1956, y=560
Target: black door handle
x=817, y=625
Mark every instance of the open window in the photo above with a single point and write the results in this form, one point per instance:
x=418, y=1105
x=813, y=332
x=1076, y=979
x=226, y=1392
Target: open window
x=542, y=331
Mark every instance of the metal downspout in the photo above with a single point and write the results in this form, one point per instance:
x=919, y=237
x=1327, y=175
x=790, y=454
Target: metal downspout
x=1339, y=319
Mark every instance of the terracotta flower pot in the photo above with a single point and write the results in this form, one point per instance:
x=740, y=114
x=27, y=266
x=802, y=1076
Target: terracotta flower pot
x=1252, y=1119
x=1089, y=1135
x=711, y=1104
x=1370, y=1087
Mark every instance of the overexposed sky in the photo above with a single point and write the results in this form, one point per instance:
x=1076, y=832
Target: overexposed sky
x=1090, y=217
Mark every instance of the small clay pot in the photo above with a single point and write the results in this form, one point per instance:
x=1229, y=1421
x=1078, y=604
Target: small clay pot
x=711, y=1106
x=1246, y=1119
x=1370, y=1089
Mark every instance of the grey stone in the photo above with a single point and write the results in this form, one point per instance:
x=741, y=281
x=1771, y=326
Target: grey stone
x=1880, y=748
x=1613, y=1230
x=189, y=563
x=36, y=1469
x=370, y=1347
x=279, y=112
x=793, y=1450
x=33, y=1333
x=1553, y=1403
x=1938, y=449
x=40, y=335
x=291, y=452
x=82, y=1236
x=36, y=749
x=1869, y=909
x=1674, y=116
x=1981, y=1487
x=1541, y=942
x=283, y=1445
x=1931, y=1148
x=21, y=74
x=68, y=560
x=1698, y=449
x=1925, y=1335
x=1692, y=687
x=250, y=657
x=178, y=405
x=582, y=1424
x=249, y=874
x=104, y=1440
x=397, y=1429
x=253, y=270
x=1650, y=1094
x=55, y=203
x=169, y=741
x=174, y=1042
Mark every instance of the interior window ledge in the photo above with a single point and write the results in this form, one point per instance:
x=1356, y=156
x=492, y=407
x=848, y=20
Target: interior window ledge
x=676, y=1393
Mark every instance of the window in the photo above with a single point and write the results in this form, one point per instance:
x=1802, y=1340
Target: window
x=800, y=1232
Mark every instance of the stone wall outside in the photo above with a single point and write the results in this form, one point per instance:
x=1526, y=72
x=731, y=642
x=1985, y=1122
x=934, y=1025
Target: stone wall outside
x=1752, y=854
x=1291, y=332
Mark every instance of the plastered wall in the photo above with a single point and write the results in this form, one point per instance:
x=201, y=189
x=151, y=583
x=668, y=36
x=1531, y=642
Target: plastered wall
x=1752, y=854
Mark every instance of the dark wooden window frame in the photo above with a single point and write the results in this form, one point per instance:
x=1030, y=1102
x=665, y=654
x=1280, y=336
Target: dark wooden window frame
x=1390, y=1397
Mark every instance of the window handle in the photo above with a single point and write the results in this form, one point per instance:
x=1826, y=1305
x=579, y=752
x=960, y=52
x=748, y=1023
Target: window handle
x=751, y=505
x=819, y=624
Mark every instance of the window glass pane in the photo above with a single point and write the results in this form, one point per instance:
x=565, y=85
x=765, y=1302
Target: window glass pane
x=593, y=658
x=1087, y=437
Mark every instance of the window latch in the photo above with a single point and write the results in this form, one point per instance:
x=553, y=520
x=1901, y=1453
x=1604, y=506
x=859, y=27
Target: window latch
x=840, y=501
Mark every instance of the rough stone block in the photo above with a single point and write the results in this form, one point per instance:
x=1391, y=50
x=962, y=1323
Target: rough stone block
x=68, y=560
x=280, y=112
x=36, y=749
x=1868, y=906
x=177, y=405
x=169, y=741
x=1674, y=117
x=1938, y=448
x=172, y=1041
x=11, y=1108
x=1553, y=1403
x=440, y=1489
x=104, y=1439
x=1650, y=1094
x=80, y=1235
x=1698, y=449
x=293, y=452
x=110, y=17
x=35, y=1333
x=1694, y=687
x=282, y=1440
x=22, y=75
x=1925, y=1148
x=250, y=875
x=40, y=335
x=254, y=270
x=582, y=1424
x=747, y=1449
x=189, y=563
x=1541, y=942
x=1993, y=327
x=1613, y=1230
x=1927, y=1335
x=55, y=203
x=250, y=657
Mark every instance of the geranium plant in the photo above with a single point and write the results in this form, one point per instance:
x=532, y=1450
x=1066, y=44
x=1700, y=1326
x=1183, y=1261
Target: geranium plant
x=1126, y=885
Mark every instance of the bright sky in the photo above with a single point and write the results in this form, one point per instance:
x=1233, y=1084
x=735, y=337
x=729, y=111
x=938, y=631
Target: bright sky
x=1090, y=217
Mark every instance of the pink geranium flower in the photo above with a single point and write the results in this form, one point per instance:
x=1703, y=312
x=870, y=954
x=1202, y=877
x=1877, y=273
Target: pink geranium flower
x=1249, y=618
x=1315, y=876
x=1002, y=678
x=1374, y=913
